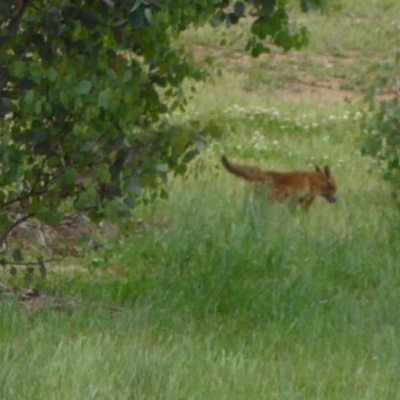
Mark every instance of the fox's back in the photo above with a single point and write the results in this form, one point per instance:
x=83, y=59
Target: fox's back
x=289, y=182
x=303, y=185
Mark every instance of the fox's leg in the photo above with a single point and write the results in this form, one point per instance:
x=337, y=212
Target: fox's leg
x=262, y=193
x=306, y=202
x=293, y=203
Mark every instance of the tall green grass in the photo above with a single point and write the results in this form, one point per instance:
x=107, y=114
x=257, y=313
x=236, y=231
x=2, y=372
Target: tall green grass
x=232, y=300
x=223, y=296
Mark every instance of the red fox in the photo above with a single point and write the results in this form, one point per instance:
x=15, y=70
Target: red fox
x=299, y=187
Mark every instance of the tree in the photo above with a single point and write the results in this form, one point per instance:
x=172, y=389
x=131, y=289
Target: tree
x=381, y=127
x=84, y=86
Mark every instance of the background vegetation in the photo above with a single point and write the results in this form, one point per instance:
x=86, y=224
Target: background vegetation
x=220, y=297
x=85, y=88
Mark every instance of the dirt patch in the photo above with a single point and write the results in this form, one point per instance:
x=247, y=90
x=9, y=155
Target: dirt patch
x=326, y=85
x=306, y=92
x=70, y=237
x=33, y=299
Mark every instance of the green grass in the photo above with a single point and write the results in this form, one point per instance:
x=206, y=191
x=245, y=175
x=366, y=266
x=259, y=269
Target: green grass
x=231, y=301
x=223, y=297
x=344, y=46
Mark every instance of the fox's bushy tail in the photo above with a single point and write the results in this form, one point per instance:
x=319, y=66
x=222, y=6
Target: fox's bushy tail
x=252, y=174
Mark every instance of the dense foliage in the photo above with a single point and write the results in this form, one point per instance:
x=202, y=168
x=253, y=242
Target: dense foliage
x=381, y=130
x=84, y=86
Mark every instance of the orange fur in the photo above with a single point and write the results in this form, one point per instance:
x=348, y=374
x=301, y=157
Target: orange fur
x=300, y=187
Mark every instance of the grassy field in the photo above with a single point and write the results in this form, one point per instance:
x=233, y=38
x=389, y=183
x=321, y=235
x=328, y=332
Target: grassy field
x=222, y=297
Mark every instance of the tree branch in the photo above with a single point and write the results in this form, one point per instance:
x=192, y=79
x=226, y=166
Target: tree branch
x=109, y=3
x=5, y=262
x=18, y=221
x=12, y=26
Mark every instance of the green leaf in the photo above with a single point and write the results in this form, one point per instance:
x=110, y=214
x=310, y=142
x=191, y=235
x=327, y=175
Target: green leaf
x=28, y=277
x=38, y=108
x=137, y=4
x=258, y=48
x=48, y=109
x=36, y=72
x=162, y=168
x=239, y=8
x=309, y=5
x=52, y=75
x=148, y=14
x=179, y=142
x=217, y=18
x=127, y=76
x=29, y=96
x=68, y=180
x=102, y=173
x=50, y=217
x=135, y=187
x=260, y=28
x=87, y=199
x=284, y=40
x=137, y=19
x=105, y=98
x=6, y=105
x=96, y=216
x=233, y=18
x=64, y=100
x=53, y=162
x=84, y=87
x=306, y=5
x=18, y=69
x=39, y=135
x=130, y=202
x=17, y=255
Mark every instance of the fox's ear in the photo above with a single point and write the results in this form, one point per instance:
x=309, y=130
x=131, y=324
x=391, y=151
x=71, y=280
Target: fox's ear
x=317, y=169
x=327, y=171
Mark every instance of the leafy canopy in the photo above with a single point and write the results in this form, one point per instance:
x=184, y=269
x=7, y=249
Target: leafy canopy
x=381, y=127
x=84, y=86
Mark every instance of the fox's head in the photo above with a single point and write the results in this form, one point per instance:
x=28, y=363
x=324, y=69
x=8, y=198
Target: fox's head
x=326, y=186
